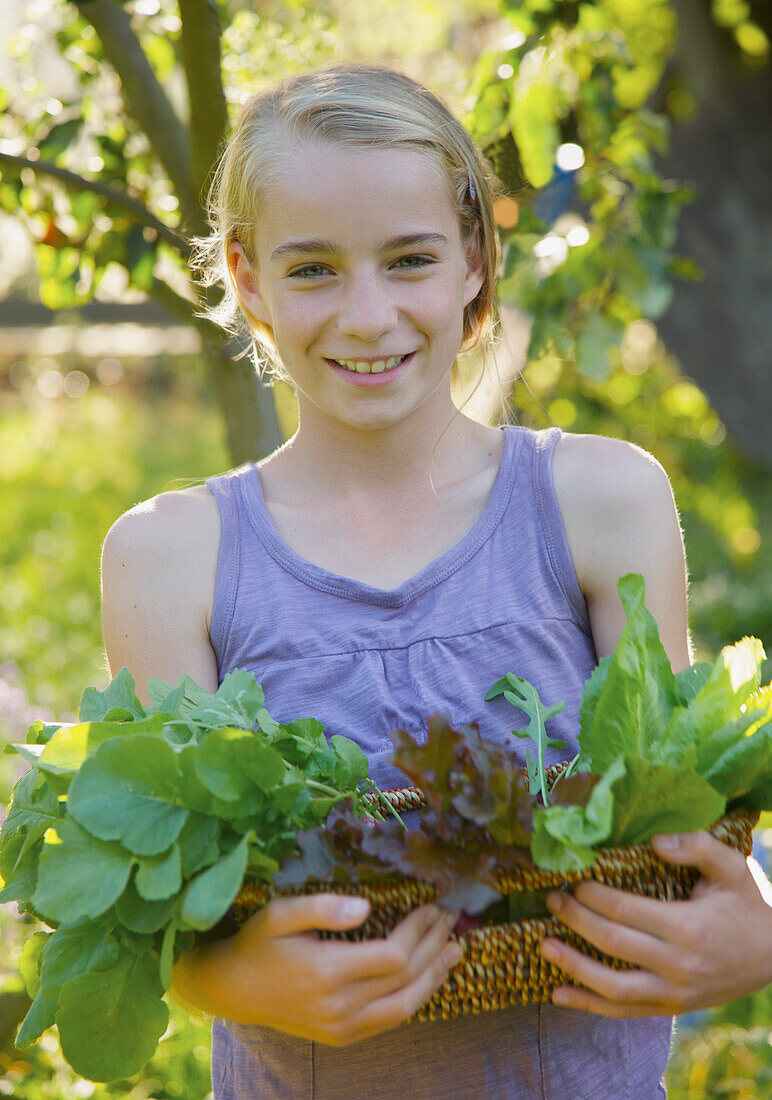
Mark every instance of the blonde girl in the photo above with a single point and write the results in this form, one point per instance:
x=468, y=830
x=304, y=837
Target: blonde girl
x=394, y=558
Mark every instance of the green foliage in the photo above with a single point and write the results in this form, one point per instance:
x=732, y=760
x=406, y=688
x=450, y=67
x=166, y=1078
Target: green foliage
x=671, y=751
x=73, y=466
x=525, y=697
x=582, y=74
x=177, y=768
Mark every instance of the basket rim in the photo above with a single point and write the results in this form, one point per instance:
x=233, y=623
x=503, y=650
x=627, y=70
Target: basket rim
x=744, y=818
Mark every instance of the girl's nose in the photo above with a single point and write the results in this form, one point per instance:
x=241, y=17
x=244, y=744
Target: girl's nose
x=366, y=310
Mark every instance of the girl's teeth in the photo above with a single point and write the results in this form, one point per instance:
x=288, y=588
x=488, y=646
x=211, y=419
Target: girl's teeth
x=370, y=368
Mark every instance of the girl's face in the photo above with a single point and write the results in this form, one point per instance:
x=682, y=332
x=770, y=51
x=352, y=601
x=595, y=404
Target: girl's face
x=360, y=260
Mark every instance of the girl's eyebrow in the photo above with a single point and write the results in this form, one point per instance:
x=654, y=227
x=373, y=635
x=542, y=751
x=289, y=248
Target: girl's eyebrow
x=317, y=245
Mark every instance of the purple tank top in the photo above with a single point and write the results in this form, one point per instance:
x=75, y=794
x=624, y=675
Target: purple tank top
x=363, y=660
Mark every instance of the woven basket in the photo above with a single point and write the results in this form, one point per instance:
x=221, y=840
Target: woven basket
x=502, y=965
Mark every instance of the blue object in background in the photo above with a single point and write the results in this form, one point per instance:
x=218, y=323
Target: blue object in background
x=554, y=199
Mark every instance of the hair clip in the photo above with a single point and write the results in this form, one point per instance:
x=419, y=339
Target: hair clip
x=472, y=192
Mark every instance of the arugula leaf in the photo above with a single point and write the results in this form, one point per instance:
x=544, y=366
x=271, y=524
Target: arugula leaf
x=209, y=896
x=140, y=915
x=231, y=763
x=525, y=697
x=160, y=876
x=65, y=752
x=33, y=810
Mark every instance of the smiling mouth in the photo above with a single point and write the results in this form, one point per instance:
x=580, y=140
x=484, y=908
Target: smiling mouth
x=358, y=366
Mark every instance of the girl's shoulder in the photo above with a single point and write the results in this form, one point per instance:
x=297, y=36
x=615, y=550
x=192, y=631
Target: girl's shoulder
x=615, y=499
x=175, y=539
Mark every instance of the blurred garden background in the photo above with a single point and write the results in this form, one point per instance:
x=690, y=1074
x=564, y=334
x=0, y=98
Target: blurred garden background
x=631, y=138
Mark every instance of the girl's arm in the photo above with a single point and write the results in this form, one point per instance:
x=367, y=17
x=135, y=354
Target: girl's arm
x=620, y=517
x=159, y=563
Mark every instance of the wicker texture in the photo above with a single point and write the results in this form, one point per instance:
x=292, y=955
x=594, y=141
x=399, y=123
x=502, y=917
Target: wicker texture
x=502, y=964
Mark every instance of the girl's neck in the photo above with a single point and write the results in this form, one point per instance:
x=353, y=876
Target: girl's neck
x=325, y=463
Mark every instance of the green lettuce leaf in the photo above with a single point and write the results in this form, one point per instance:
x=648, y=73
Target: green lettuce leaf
x=656, y=798
x=565, y=836
x=636, y=699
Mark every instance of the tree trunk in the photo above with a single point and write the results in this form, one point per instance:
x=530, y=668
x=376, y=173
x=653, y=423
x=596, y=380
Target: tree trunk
x=247, y=406
x=721, y=328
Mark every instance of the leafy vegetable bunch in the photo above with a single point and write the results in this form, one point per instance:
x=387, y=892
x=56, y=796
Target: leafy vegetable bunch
x=135, y=828
x=658, y=753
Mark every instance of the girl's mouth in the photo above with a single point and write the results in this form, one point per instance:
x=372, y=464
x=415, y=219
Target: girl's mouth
x=379, y=373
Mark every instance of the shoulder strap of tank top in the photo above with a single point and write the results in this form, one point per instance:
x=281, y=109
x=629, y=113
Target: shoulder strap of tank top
x=224, y=488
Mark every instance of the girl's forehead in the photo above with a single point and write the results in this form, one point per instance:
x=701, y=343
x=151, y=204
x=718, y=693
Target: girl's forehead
x=315, y=189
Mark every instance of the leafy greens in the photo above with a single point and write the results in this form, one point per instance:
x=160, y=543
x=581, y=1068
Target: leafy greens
x=134, y=829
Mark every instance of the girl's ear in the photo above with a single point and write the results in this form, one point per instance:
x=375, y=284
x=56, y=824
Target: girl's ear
x=475, y=269
x=245, y=283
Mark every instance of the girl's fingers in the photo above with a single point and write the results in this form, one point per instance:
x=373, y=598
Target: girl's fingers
x=618, y=941
x=621, y=988
x=389, y=1011
x=426, y=951
x=716, y=861
x=384, y=957
x=306, y=913
x=596, y=908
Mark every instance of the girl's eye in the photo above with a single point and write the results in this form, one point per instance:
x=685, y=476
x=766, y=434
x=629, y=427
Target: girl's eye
x=421, y=261
x=308, y=272
x=314, y=271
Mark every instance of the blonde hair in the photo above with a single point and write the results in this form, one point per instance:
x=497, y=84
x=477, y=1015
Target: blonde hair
x=352, y=105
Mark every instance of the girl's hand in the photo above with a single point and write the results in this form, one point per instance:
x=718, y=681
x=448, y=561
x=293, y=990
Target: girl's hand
x=277, y=972
x=692, y=954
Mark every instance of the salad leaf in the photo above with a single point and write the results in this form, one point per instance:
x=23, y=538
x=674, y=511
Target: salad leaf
x=579, y=820
x=525, y=697
x=656, y=798
x=78, y=874
x=119, y=693
x=110, y=1019
x=637, y=696
x=208, y=897
x=129, y=790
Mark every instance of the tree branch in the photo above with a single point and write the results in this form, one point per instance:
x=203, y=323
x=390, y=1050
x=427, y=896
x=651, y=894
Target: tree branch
x=200, y=46
x=113, y=195
x=146, y=101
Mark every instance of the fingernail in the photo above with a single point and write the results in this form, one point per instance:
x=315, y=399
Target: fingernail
x=554, y=902
x=432, y=914
x=354, y=908
x=549, y=951
x=452, y=955
x=671, y=842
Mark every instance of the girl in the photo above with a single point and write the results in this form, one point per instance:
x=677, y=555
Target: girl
x=392, y=559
